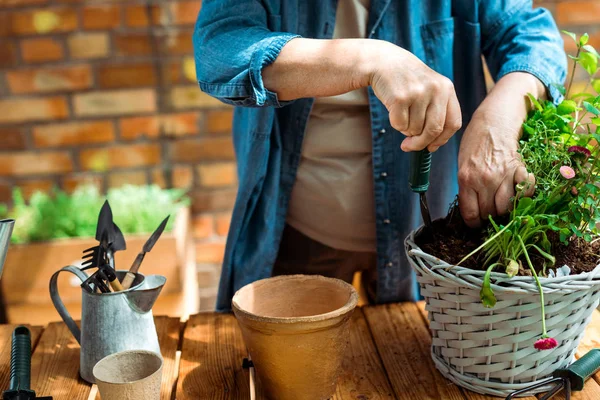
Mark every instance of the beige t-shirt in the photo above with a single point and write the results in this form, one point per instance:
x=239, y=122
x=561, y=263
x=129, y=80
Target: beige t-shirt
x=332, y=200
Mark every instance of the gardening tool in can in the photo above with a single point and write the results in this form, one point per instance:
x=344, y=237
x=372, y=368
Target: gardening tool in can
x=20, y=367
x=111, y=322
x=128, y=280
x=418, y=179
x=6, y=228
x=568, y=379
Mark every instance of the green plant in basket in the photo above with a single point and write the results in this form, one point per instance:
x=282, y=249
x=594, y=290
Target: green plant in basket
x=560, y=147
x=56, y=215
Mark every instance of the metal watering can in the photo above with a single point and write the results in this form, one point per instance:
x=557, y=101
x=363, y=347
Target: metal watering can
x=111, y=322
x=6, y=228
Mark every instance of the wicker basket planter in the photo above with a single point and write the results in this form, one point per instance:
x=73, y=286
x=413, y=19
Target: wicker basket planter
x=490, y=350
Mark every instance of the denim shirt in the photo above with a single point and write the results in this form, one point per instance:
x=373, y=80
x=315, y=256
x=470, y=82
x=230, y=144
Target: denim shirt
x=235, y=39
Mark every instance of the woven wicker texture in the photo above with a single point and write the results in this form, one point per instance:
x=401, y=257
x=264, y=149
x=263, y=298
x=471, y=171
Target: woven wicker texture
x=490, y=350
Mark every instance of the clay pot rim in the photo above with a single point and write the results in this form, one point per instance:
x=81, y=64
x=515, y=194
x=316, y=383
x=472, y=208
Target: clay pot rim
x=120, y=353
x=346, y=308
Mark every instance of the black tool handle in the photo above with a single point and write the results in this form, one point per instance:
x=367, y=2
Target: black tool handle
x=20, y=359
x=581, y=370
x=420, y=166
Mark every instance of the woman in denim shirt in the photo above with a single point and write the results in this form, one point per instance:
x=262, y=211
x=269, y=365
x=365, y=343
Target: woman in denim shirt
x=330, y=96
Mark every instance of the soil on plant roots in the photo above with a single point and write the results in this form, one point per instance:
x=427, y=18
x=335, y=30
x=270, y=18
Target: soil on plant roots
x=450, y=239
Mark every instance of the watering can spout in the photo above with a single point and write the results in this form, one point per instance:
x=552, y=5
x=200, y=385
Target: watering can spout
x=6, y=228
x=142, y=299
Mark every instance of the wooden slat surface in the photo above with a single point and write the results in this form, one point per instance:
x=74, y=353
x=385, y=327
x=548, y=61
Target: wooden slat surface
x=211, y=359
x=404, y=344
x=363, y=375
x=392, y=338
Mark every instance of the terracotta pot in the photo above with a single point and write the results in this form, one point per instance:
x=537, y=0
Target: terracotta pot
x=296, y=330
x=129, y=375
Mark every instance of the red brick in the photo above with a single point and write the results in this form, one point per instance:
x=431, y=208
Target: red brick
x=171, y=125
x=137, y=155
x=29, y=187
x=194, y=150
x=101, y=17
x=72, y=182
x=126, y=75
x=120, y=102
x=88, y=45
x=179, y=13
x=43, y=21
x=210, y=252
x=159, y=176
x=217, y=174
x=49, y=79
x=181, y=177
x=8, y=54
x=33, y=109
x=214, y=200
x=30, y=163
x=20, y=3
x=42, y=50
x=133, y=44
x=203, y=226
x=118, y=179
x=136, y=15
x=219, y=121
x=179, y=43
x=73, y=134
x=172, y=72
x=186, y=97
x=12, y=138
x=578, y=12
x=223, y=221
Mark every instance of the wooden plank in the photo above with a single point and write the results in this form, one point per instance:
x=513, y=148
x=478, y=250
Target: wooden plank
x=211, y=359
x=55, y=365
x=5, y=348
x=403, y=341
x=363, y=375
x=168, y=330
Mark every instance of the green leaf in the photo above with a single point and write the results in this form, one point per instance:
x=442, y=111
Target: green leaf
x=512, y=268
x=589, y=62
x=596, y=85
x=591, y=108
x=591, y=49
x=595, y=121
x=487, y=294
x=560, y=88
x=573, y=57
x=544, y=254
x=570, y=34
x=535, y=102
x=584, y=39
x=586, y=96
x=566, y=107
x=587, y=237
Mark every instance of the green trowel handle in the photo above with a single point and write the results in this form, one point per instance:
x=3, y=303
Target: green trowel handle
x=420, y=166
x=581, y=370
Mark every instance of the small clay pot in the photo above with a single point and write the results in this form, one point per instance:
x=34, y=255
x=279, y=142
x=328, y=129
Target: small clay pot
x=129, y=375
x=296, y=330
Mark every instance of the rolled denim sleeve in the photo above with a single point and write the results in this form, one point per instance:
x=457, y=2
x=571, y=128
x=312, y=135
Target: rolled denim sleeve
x=232, y=44
x=516, y=37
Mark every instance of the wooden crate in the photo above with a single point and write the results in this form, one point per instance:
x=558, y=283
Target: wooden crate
x=28, y=267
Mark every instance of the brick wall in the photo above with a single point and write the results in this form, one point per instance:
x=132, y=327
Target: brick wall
x=104, y=91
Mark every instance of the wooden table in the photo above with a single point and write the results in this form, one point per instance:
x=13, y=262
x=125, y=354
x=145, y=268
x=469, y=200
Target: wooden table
x=387, y=358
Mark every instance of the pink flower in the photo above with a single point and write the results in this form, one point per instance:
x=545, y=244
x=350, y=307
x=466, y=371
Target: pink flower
x=580, y=150
x=567, y=172
x=545, y=343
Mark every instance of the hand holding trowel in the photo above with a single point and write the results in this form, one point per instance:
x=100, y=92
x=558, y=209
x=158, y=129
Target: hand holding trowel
x=130, y=277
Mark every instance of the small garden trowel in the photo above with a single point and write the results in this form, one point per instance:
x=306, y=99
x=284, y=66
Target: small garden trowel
x=418, y=179
x=570, y=379
x=130, y=277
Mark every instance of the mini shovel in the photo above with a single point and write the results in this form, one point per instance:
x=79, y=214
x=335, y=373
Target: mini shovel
x=570, y=379
x=130, y=276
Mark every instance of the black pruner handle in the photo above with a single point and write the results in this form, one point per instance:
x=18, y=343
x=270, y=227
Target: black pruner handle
x=420, y=167
x=579, y=372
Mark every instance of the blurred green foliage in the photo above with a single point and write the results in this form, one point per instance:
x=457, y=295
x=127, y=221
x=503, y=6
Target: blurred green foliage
x=56, y=215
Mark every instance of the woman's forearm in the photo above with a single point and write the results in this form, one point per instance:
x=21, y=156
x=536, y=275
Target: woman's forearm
x=320, y=67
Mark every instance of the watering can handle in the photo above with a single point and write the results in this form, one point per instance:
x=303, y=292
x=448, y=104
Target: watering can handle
x=59, y=305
